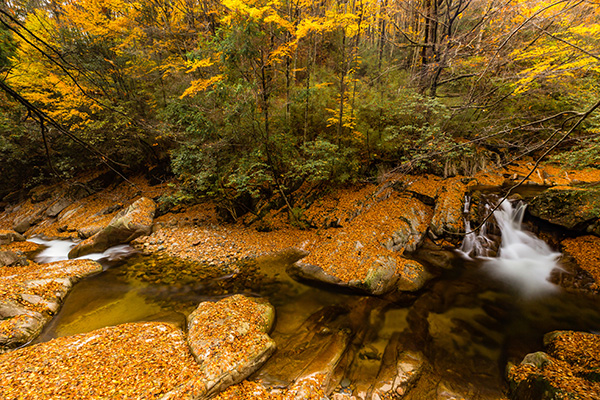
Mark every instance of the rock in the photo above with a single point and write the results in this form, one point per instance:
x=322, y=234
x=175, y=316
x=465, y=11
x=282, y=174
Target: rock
x=386, y=275
x=569, y=207
x=20, y=329
x=568, y=369
x=39, y=194
x=448, y=213
x=127, y=225
x=88, y=231
x=538, y=359
x=27, y=222
x=309, y=356
x=7, y=258
x=434, y=255
x=400, y=369
x=7, y=236
x=409, y=236
x=411, y=276
x=57, y=207
x=229, y=339
x=39, y=291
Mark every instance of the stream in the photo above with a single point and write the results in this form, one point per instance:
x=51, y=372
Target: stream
x=468, y=323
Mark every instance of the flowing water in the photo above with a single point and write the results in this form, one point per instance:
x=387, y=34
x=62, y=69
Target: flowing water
x=469, y=322
x=523, y=260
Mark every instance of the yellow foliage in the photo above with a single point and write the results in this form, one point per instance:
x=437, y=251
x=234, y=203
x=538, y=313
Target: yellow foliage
x=200, y=85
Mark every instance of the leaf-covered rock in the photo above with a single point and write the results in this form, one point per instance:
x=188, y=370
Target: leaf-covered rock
x=229, y=340
x=31, y=294
x=567, y=370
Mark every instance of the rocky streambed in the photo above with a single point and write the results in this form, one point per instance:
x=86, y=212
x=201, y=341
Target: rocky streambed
x=370, y=302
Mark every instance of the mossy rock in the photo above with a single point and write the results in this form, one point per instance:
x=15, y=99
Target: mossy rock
x=572, y=208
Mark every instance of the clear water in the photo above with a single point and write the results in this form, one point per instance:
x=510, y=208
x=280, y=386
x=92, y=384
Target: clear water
x=467, y=323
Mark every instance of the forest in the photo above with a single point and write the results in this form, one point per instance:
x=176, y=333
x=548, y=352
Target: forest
x=244, y=99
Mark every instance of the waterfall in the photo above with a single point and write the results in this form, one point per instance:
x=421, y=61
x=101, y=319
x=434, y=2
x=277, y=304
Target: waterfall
x=523, y=260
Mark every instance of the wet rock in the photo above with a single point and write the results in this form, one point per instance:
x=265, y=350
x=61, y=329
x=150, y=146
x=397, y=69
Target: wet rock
x=447, y=215
x=400, y=369
x=32, y=295
x=569, y=207
x=309, y=356
x=229, y=339
x=434, y=255
x=567, y=369
x=8, y=236
x=127, y=225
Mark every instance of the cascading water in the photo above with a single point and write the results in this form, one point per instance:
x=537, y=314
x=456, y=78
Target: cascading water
x=58, y=250
x=522, y=259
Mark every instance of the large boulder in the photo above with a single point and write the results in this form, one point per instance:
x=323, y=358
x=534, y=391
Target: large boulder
x=569, y=207
x=132, y=222
x=569, y=369
x=32, y=294
x=229, y=340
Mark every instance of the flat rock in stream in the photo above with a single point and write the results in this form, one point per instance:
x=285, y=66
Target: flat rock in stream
x=30, y=295
x=132, y=222
x=387, y=275
x=229, y=340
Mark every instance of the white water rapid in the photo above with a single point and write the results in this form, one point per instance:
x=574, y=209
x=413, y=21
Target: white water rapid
x=58, y=250
x=523, y=260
